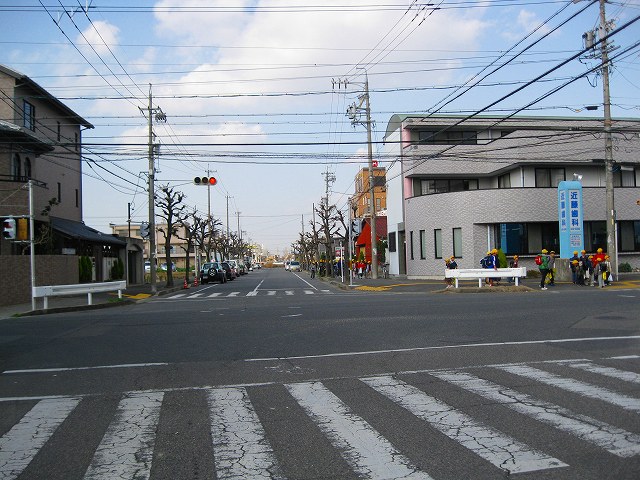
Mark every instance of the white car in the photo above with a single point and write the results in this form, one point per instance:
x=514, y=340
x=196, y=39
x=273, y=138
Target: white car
x=294, y=266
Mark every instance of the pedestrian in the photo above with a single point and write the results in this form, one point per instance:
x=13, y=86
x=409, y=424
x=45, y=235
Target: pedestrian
x=592, y=270
x=573, y=264
x=542, y=261
x=513, y=264
x=578, y=271
x=451, y=264
x=552, y=268
x=368, y=270
x=606, y=270
x=313, y=270
x=600, y=271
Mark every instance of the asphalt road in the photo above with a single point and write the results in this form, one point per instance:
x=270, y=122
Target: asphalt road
x=275, y=375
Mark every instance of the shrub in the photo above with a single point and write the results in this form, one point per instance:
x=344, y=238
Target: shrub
x=85, y=269
x=625, y=268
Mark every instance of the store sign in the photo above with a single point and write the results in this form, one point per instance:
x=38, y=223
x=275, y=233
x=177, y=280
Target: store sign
x=570, y=218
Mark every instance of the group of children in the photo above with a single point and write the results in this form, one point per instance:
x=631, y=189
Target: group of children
x=585, y=269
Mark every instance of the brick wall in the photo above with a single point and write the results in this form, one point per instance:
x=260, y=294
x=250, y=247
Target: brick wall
x=15, y=276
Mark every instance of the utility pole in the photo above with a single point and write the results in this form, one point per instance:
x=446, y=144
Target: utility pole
x=328, y=178
x=160, y=116
x=126, y=256
x=354, y=114
x=603, y=31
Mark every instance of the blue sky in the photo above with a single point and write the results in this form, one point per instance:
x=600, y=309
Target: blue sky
x=253, y=81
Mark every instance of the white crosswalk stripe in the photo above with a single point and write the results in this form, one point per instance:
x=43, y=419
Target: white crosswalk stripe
x=500, y=450
x=251, y=293
x=244, y=443
x=126, y=449
x=20, y=444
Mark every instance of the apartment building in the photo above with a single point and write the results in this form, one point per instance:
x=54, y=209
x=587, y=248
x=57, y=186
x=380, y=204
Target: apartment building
x=462, y=188
x=361, y=201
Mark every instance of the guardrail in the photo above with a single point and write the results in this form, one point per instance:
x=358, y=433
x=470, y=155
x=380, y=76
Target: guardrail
x=481, y=273
x=82, y=288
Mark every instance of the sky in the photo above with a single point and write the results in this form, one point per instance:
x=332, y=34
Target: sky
x=256, y=92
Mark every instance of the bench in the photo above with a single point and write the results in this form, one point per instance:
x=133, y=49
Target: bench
x=82, y=288
x=481, y=273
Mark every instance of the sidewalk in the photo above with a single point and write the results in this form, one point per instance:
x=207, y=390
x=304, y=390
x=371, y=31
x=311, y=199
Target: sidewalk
x=132, y=294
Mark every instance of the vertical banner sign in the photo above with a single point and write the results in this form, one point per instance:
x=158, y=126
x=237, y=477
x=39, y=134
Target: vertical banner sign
x=570, y=218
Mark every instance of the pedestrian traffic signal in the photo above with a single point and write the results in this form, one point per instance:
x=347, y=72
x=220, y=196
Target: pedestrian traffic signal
x=22, y=229
x=205, y=181
x=9, y=228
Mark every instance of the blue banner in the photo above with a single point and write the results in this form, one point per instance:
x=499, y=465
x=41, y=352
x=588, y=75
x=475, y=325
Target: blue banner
x=570, y=218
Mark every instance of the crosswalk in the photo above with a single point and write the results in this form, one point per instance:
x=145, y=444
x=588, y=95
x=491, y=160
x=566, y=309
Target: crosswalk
x=250, y=293
x=465, y=413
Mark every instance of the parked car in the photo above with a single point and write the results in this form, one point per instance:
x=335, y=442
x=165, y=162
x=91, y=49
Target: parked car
x=294, y=266
x=212, y=272
x=241, y=268
x=231, y=273
x=163, y=267
x=286, y=265
x=234, y=266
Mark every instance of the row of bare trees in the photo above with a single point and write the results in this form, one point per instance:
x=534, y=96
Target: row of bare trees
x=329, y=226
x=196, y=231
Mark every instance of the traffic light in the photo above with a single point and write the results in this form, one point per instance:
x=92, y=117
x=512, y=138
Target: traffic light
x=9, y=228
x=22, y=232
x=144, y=229
x=205, y=181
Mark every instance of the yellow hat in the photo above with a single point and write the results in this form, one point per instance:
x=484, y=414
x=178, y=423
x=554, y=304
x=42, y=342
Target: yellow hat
x=544, y=250
x=452, y=257
x=599, y=250
x=583, y=251
x=575, y=262
x=575, y=252
x=494, y=251
x=590, y=257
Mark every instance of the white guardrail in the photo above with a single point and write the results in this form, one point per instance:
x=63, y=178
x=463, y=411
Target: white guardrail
x=82, y=288
x=481, y=273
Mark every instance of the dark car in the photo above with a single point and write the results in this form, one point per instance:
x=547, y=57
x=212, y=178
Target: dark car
x=231, y=273
x=212, y=272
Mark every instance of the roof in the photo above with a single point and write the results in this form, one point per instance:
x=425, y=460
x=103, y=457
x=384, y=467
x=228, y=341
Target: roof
x=365, y=235
x=80, y=231
x=13, y=134
x=46, y=95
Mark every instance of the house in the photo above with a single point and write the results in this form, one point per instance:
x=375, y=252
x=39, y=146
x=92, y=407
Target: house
x=464, y=186
x=363, y=242
x=40, y=145
x=361, y=201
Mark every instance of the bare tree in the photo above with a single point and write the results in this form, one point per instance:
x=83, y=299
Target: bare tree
x=327, y=229
x=190, y=227
x=172, y=211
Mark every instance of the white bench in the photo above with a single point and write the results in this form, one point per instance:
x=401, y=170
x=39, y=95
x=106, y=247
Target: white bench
x=81, y=288
x=481, y=273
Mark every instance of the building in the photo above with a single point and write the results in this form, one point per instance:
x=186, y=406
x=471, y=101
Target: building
x=464, y=187
x=361, y=201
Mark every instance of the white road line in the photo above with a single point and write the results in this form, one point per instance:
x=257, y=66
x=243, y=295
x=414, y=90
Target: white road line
x=288, y=292
x=575, y=386
x=366, y=451
x=497, y=448
x=20, y=444
x=445, y=347
x=625, y=357
x=126, y=450
x=195, y=295
x=240, y=447
x=305, y=281
x=309, y=292
x=632, y=377
x=252, y=293
x=98, y=367
x=233, y=294
x=271, y=292
x=255, y=290
x=176, y=296
x=217, y=294
x=613, y=439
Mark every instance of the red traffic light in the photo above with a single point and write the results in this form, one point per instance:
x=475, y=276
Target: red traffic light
x=205, y=181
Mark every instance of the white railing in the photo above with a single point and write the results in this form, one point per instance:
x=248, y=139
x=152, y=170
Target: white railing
x=481, y=273
x=82, y=288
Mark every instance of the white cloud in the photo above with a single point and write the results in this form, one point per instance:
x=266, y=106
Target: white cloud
x=102, y=36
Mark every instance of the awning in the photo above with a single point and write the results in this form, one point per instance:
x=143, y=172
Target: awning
x=80, y=231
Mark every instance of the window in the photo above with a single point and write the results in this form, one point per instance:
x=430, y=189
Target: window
x=379, y=181
x=16, y=168
x=629, y=236
x=411, y=244
x=59, y=192
x=437, y=241
x=423, y=245
x=624, y=177
x=27, y=167
x=391, y=238
x=595, y=236
x=378, y=204
x=549, y=177
x=504, y=181
x=29, y=116
x=448, y=137
x=527, y=238
x=429, y=187
x=457, y=242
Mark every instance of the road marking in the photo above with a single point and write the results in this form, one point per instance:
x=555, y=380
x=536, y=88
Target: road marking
x=613, y=439
x=195, y=295
x=217, y=294
x=241, y=449
x=67, y=369
x=177, y=296
x=271, y=292
x=574, y=386
x=445, y=347
x=497, y=448
x=309, y=292
x=625, y=357
x=126, y=450
x=362, y=447
x=606, y=371
x=312, y=286
x=252, y=293
x=292, y=315
x=21, y=444
x=288, y=292
x=233, y=294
